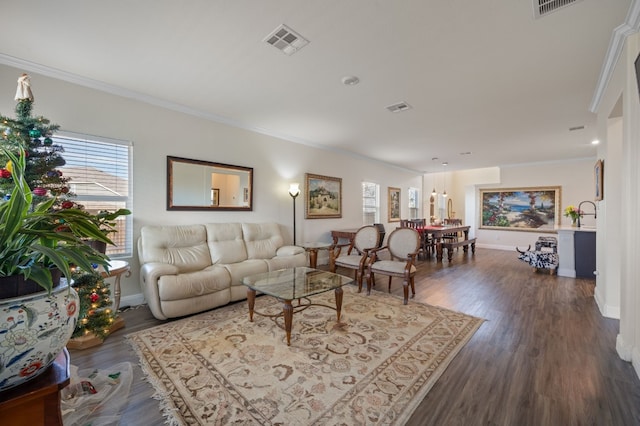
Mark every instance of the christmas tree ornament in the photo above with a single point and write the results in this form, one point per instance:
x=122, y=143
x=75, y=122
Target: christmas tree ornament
x=40, y=192
x=48, y=141
x=23, y=91
x=6, y=174
x=35, y=133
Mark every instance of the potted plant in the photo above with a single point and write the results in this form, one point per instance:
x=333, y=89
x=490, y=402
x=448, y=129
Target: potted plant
x=106, y=221
x=34, y=242
x=574, y=213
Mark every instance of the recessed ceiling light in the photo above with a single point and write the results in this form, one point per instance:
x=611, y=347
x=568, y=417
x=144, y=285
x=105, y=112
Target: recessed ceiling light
x=595, y=142
x=350, y=80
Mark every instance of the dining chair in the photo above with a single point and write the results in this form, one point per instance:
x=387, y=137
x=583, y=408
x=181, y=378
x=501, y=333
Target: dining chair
x=402, y=246
x=357, y=254
x=426, y=242
x=453, y=236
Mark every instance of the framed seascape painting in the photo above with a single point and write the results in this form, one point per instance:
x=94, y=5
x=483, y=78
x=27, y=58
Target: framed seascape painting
x=598, y=174
x=520, y=209
x=323, y=197
x=393, y=199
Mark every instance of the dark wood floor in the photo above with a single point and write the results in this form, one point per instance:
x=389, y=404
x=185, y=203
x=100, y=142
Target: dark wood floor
x=544, y=356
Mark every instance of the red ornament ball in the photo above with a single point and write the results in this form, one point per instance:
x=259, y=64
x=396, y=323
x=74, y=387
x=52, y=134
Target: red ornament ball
x=94, y=297
x=40, y=192
x=5, y=173
x=67, y=205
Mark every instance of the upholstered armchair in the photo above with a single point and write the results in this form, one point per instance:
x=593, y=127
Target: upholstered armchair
x=402, y=246
x=357, y=254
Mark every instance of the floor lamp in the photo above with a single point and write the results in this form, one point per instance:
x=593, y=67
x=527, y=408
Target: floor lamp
x=294, y=191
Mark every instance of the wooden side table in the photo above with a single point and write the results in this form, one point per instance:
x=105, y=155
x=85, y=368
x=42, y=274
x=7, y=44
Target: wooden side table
x=312, y=249
x=37, y=402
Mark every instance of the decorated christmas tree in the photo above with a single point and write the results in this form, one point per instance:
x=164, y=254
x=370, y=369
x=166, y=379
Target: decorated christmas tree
x=96, y=315
x=34, y=135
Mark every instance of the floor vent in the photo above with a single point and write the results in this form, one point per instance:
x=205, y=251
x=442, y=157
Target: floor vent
x=544, y=7
x=400, y=106
x=285, y=39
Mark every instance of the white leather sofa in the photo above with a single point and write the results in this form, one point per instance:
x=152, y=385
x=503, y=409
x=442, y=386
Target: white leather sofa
x=185, y=269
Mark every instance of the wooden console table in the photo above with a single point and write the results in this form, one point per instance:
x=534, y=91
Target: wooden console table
x=37, y=402
x=343, y=233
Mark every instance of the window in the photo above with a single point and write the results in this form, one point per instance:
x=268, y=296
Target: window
x=370, y=203
x=414, y=205
x=99, y=169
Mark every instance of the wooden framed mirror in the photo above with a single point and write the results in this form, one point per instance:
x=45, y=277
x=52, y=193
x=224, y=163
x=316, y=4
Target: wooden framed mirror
x=205, y=185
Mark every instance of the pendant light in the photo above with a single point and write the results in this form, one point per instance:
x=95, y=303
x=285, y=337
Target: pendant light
x=444, y=179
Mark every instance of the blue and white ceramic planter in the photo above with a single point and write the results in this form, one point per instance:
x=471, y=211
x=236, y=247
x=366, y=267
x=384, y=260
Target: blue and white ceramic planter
x=33, y=331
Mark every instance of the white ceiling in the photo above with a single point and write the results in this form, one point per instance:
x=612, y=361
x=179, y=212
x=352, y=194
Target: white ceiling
x=482, y=76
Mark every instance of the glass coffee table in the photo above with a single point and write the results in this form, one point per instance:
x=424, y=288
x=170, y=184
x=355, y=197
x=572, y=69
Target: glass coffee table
x=288, y=285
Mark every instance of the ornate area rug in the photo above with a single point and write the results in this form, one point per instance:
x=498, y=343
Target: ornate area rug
x=374, y=367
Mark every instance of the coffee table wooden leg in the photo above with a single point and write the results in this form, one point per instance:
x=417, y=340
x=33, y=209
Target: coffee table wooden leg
x=251, y=300
x=338, y=292
x=287, y=311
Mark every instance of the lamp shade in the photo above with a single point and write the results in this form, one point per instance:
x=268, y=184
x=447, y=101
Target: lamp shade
x=294, y=189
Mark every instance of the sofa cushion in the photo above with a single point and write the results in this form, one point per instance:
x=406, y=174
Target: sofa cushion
x=283, y=262
x=225, y=242
x=262, y=239
x=238, y=271
x=183, y=286
x=184, y=246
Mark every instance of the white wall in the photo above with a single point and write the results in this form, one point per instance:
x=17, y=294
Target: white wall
x=621, y=205
x=158, y=132
x=575, y=178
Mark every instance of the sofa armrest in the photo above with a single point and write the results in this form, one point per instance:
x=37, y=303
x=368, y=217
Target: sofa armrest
x=150, y=273
x=289, y=251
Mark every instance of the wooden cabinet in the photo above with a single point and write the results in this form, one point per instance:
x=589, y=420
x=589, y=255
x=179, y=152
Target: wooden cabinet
x=37, y=402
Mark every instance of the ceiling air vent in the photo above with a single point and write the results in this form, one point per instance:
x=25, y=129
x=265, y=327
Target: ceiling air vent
x=400, y=106
x=544, y=7
x=286, y=40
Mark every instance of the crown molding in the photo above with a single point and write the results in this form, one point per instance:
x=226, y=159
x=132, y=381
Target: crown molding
x=151, y=100
x=616, y=45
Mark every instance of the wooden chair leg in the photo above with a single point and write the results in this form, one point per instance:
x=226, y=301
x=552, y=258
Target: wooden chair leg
x=405, y=289
x=413, y=287
x=370, y=281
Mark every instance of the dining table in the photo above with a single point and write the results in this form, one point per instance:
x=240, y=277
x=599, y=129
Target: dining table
x=437, y=232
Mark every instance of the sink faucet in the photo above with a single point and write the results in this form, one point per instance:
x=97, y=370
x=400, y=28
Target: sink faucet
x=586, y=214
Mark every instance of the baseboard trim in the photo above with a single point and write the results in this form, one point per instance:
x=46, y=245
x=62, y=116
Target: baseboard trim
x=132, y=300
x=624, y=351
x=635, y=361
x=496, y=247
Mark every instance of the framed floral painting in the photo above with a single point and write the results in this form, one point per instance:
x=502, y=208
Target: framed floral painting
x=393, y=199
